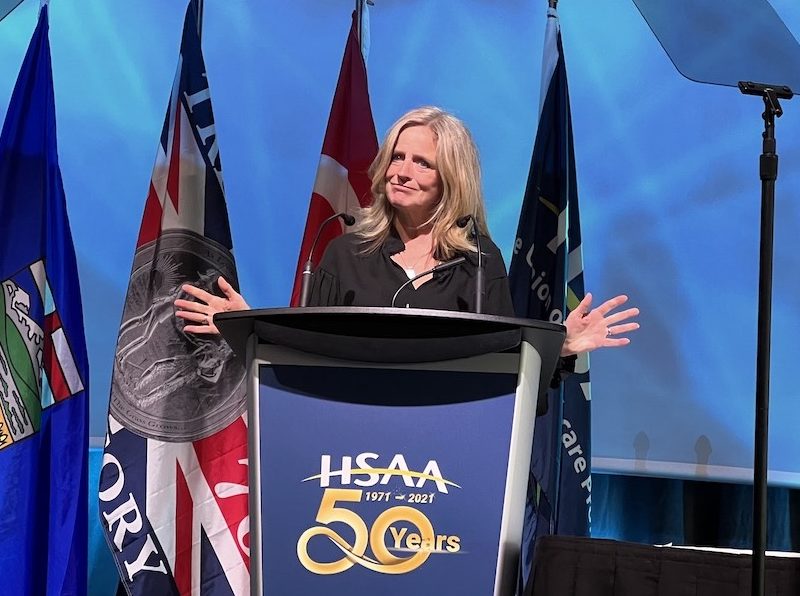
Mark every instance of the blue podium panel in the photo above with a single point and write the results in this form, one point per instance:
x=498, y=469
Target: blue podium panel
x=368, y=488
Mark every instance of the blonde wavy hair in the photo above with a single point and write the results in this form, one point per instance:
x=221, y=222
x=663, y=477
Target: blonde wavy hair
x=459, y=172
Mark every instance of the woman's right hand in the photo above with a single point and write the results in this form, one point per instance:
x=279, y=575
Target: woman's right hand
x=199, y=313
x=591, y=328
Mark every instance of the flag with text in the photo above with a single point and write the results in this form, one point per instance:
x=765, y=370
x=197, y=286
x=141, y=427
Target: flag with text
x=173, y=486
x=546, y=279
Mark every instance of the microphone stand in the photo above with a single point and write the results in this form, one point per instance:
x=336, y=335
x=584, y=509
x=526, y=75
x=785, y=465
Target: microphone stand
x=768, y=172
x=479, y=283
x=305, y=283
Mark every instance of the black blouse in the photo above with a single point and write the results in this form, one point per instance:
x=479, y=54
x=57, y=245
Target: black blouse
x=348, y=277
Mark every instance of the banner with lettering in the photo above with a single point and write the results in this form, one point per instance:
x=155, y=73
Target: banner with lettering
x=173, y=487
x=546, y=280
x=378, y=481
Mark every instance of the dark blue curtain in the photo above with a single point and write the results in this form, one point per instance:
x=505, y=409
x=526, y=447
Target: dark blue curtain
x=686, y=512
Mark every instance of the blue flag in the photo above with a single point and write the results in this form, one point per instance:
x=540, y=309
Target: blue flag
x=546, y=278
x=44, y=375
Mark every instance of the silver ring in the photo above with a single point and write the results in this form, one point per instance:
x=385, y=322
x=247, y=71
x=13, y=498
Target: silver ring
x=608, y=332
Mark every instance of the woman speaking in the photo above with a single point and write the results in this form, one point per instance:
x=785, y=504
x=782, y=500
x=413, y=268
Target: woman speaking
x=426, y=185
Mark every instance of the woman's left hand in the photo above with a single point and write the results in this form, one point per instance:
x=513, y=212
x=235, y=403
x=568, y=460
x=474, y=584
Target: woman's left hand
x=589, y=329
x=199, y=314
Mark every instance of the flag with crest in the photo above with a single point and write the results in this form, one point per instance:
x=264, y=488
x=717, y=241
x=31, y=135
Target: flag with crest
x=546, y=278
x=44, y=371
x=173, y=486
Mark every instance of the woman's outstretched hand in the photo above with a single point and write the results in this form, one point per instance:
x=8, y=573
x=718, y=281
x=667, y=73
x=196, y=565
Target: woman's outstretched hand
x=199, y=313
x=589, y=329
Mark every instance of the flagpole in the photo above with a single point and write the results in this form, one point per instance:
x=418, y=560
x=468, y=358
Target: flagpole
x=360, y=16
x=200, y=19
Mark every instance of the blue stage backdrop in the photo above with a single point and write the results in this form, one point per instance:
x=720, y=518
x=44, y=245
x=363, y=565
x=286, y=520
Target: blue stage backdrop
x=667, y=172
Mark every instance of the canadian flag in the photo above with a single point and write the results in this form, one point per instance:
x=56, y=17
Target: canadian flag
x=350, y=145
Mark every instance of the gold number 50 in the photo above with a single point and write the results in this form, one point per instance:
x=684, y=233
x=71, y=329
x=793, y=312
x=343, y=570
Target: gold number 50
x=386, y=562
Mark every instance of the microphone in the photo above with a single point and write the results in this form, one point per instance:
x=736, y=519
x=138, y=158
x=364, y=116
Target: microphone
x=305, y=286
x=479, y=283
x=439, y=267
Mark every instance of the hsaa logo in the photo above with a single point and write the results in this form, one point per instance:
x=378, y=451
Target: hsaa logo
x=367, y=473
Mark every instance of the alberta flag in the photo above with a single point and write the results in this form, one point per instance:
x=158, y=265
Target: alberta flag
x=44, y=373
x=350, y=145
x=173, y=487
x=546, y=278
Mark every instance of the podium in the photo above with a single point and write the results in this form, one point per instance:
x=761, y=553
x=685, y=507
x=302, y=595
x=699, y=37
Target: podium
x=389, y=448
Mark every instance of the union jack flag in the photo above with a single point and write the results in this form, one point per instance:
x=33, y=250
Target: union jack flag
x=173, y=487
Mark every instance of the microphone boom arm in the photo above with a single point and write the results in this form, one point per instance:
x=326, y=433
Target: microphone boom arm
x=439, y=267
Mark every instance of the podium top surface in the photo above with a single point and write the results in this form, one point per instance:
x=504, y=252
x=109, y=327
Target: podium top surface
x=390, y=335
